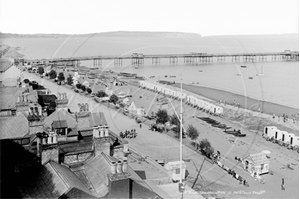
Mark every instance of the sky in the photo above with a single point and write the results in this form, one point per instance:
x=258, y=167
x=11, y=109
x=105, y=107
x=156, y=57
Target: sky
x=205, y=17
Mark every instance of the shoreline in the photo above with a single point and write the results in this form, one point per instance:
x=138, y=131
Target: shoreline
x=244, y=101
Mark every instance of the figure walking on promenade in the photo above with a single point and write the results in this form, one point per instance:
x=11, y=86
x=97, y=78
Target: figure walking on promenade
x=282, y=184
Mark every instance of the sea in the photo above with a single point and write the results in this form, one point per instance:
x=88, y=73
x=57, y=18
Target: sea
x=280, y=83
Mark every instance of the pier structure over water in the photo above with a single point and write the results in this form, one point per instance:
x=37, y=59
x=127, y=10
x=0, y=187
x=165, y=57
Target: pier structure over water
x=138, y=59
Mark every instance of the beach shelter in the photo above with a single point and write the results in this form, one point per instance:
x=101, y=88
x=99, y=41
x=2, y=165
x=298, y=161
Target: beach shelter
x=293, y=140
x=256, y=164
x=86, y=84
x=132, y=108
x=126, y=101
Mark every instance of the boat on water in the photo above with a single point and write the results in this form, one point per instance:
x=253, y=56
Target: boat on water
x=243, y=66
x=165, y=82
x=250, y=77
x=261, y=72
x=173, y=76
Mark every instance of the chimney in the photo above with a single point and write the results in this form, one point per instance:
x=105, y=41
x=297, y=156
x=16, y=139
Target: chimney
x=62, y=102
x=119, y=183
x=83, y=117
x=125, y=146
x=38, y=143
x=95, y=132
x=125, y=166
x=21, y=104
x=50, y=152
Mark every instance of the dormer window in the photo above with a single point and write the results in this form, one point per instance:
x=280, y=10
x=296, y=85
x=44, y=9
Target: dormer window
x=60, y=127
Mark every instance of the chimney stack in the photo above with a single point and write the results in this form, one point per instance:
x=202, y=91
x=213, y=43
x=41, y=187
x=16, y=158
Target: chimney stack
x=38, y=144
x=125, y=166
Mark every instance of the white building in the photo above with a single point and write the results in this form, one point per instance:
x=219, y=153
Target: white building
x=289, y=138
x=9, y=73
x=174, y=170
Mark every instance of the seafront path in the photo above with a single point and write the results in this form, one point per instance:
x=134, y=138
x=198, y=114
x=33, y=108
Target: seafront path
x=163, y=147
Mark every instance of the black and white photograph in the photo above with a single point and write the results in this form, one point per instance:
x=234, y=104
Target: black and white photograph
x=149, y=99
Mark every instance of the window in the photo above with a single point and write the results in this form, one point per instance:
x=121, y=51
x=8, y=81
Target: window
x=177, y=171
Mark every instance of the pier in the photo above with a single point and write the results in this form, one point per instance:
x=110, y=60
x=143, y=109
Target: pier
x=138, y=59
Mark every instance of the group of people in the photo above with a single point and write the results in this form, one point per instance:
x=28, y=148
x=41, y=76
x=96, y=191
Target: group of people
x=128, y=134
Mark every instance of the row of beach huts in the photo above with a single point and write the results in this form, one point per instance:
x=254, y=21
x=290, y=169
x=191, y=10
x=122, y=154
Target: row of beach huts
x=189, y=99
x=290, y=140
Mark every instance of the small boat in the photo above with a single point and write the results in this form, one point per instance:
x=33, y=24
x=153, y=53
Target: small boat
x=243, y=66
x=235, y=133
x=250, y=77
x=200, y=71
x=173, y=76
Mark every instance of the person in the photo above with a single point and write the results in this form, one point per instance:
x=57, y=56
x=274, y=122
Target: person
x=140, y=125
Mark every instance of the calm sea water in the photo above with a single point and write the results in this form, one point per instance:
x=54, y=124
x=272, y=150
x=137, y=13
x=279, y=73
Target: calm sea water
x=279, y=85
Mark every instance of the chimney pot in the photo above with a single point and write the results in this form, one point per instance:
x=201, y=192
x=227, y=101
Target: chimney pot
x=113, y=168
x=125, y=166
x=119, y=167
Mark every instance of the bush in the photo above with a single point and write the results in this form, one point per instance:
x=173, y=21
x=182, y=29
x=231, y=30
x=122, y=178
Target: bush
x=41, y=70
x=89, y=90
x=52, y=74
x=174, y=120
x=26, y=81
x=162, y=116
x=83, y=87
x=192, y=132
x=61, y=77
x=78, y=86
x=113, y=98
x=70, y=80
x=101, y=94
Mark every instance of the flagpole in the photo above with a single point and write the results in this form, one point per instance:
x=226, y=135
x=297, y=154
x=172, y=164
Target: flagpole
x=180, y=132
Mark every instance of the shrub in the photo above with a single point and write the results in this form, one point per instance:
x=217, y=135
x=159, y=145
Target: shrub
x=113, y=98
x=70, y=80
x=89, y=90
x=162, y=116
x=192, y=132
x=78, y=86
x=52, y=74
x=61, y=77
x=83, y=87
x=101, y=94
x=41, y=70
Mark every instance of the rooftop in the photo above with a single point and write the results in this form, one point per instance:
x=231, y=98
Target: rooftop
x=4, y=64
x=59, y=124
x=258, y=158
x=14, y=127
x=61, y=114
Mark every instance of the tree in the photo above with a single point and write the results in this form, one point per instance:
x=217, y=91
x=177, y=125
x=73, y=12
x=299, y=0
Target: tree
x=192, y=132
x=101, y=94
x=70, y=80
x=162, y=116
x=26, y=81
x=89, y=90
x=52, y=74
x=83, y=88
x=41, y=70
x=78, y=86
x=61, y=77
x=113, y=98
x=204, y=144
x=174, y=120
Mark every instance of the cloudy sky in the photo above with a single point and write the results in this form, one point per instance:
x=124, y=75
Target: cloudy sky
x=206, y=17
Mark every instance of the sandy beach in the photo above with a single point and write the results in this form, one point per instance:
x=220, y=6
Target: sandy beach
x=244, y=101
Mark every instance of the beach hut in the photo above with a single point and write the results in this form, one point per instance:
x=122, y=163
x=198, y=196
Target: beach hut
x=256, y=164
x=285, y=137
x=293, y=140
x=269, y=131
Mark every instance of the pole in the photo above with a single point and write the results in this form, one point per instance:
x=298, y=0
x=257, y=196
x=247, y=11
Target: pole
x=181, y=131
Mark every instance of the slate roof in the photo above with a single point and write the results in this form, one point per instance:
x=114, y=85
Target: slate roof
x=85, y=144
x=96, y=171
x=47, y=99
x=53, y=181
x=258, y=158
x=77, y=193
x=59, y=124
x=4, y=64
x=61, y=114
x=98, y=119
x=14, y=127
x=8, y=98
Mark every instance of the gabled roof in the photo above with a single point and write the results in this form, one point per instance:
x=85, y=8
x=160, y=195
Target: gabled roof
x=257, y=159
x=4, y=64
x=96, y=171
x=61, y=114
x=98, y=119
x=132, y=107
x=59, y=124
x=14, y=127
x=8, y=98
x=52, y=181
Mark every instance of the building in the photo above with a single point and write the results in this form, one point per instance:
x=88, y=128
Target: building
x=173, y=169
x=256, y=164
x=9, y=73
x=285, y=137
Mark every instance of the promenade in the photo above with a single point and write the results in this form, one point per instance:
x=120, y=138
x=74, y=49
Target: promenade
x=163, y=147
